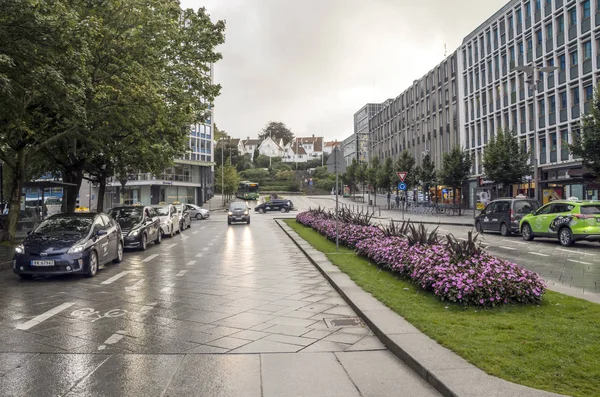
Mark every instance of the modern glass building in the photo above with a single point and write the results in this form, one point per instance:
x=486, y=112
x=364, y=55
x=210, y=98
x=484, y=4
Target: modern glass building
x=494, y=93
x=361, y=130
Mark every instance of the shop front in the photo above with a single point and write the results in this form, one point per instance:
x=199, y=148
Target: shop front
x=563, y=183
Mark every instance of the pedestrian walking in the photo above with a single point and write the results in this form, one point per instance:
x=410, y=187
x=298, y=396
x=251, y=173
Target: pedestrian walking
x=397, y=200
x=389, y=196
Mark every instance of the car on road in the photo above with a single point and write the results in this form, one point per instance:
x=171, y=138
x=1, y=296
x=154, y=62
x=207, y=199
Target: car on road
x=139, y=225
x=70, y=243
x=197, y=212
x=280, y=205
x=169, y=219
x=185, y=219
x=238, y=212
x=567, y=220
x=504, y=214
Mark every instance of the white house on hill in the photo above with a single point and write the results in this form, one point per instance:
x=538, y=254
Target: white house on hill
x=268, y=147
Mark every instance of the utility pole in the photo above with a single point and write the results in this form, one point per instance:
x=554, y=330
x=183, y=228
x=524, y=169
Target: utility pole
x=337, y=214
x=222, y=172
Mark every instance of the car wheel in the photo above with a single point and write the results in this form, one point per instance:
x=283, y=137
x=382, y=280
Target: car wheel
x=119, y=257
x=565, y=237
x=190, y=224
x=261, y=211
x=26, y=276
x=526, y=232
x=199, y=216
x=504, y=230
x=478, y=227
x=228, y=222
x=93, y=265
x=181, y=228
x=144, y=242
x=248, y=220
x=158, y=237
x=283, y=210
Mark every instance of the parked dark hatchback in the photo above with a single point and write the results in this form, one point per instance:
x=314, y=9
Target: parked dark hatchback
x=78, y=243
x=504, y=214
x=275, y=205
x=139, y=225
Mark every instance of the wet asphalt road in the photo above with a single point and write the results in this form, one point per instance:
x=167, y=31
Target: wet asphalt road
x=215, y=311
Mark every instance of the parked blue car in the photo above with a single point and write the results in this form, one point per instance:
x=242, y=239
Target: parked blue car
x=76, y=243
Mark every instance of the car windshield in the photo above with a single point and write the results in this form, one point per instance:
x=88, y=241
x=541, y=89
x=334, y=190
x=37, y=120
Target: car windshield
x=65, y=225
x=162, y=211
x=127, y=217
x=590, y=209
x=525, y=207
x=237, y=206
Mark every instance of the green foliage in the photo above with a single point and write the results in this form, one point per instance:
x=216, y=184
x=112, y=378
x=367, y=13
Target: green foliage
x=288, y=176
x=255, y=156
x=277, y=130
x=244, y=163
x=219, y=134
x=257, y=175
x=504, y=159
x=456, y=168
x=262, y=161
x=461, y=250
x=406, y=163
x=586, y=143
x=427, y=174
x=396, y=229
x=227, y=182
x=420, y=235
x=372, y=177
x=385, y=173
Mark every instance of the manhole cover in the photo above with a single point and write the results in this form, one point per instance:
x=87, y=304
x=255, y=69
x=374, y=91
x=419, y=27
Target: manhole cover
x=344, y=322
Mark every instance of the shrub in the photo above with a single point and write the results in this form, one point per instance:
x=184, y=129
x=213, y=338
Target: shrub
x=453, y=270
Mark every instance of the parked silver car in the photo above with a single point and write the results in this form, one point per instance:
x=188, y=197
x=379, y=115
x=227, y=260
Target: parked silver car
x=185, y=220
x=197, y=212
x=169, y=219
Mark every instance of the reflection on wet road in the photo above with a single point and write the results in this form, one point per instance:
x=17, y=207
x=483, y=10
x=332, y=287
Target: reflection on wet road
x=220, y=310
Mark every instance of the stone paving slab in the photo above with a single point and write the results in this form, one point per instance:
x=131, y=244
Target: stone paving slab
x=449, y=373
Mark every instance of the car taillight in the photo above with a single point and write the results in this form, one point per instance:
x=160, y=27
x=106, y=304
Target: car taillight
x=512, y=215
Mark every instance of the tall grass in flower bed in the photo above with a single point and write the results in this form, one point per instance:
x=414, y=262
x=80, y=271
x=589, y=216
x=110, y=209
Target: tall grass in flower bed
x=455, y=271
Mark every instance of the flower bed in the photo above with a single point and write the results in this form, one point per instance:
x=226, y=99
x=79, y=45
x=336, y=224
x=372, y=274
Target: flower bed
x=479, y=279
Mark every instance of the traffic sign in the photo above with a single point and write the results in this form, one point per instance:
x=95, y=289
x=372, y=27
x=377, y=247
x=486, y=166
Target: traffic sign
x=402, y=186
x=402, y=175
x=335, y=162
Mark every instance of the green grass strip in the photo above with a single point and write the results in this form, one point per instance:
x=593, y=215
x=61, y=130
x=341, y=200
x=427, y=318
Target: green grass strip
x=553, y=347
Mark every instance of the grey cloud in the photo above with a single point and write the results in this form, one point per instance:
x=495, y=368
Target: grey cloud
x=312, y=64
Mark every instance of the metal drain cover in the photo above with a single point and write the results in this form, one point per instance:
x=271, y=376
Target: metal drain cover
x=344, y=322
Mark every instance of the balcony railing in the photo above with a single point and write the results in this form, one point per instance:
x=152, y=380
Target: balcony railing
x=575, y=111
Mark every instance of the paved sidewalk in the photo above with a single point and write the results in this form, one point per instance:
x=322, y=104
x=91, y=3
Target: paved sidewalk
x=449, y=373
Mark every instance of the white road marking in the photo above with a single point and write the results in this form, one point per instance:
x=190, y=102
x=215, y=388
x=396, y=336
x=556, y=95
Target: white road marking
x=134, y=286
x=166, y=289
x=114, y=338
x=115, y=278
x=203, y=227
x=209, y=244
x=199, y=255
x=181, y=273
x=191, y=263
x=195, y=232
x=564, y=250
x=507, y=248
x=44, y=316
x=538, y=254
x=205, y=249
x=148, y=259
x=576, y=261
x=148, y=307
x=170, y=246
x=185, y=237
x=514, y=242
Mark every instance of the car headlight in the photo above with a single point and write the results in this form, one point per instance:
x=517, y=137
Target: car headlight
x=246, y=212
x=76, y=249
x=20, y=249
x=230, y=213
x=134, y=232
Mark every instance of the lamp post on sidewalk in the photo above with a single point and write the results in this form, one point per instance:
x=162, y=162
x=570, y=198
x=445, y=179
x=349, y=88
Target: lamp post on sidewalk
x=532, y=82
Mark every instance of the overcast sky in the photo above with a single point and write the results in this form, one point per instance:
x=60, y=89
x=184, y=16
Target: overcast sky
x=313, y=63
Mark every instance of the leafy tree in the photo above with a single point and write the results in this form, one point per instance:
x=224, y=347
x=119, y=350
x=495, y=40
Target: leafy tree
x=257, y=175
x=277, y=130
x=586, y=143
x=361, y=175
x=244, y=163
x=350, y=176
x=255, y=156
x=504, y=160
x=228, y=182
x=372, y=176
x=220, y=134
x=148, y=71
x=406, y=163
x=384, y=174
x=262, y=161
x=42, y=81
x=427, y=174
x=456, y=169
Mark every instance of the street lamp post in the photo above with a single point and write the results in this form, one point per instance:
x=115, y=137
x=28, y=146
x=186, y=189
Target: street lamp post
x=222, y=170
x=532, y=81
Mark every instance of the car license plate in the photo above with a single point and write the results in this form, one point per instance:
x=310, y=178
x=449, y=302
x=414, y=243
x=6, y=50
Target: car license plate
x=239, y=218
x=42, y=263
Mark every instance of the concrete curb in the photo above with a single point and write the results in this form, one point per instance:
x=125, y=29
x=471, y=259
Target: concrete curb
x=447, y=372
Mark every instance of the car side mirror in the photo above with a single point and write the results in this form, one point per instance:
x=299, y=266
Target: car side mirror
x=101, y=233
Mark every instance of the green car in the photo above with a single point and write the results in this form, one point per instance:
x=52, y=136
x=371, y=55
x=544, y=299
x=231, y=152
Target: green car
x=567, y=220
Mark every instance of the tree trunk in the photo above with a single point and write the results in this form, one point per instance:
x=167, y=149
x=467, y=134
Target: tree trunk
x=74, y=175
x=18, y=179
x=101, y=191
